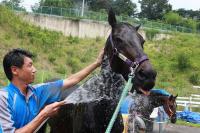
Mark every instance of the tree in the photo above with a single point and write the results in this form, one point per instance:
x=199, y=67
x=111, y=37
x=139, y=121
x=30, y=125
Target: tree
x=172, y=18
x=124, y=7
x=154, y=9
x=198, y=26
x=44, y=6
x=57, y=3
x=189, y=13
x=121, y=7
x=14, y=4
x=100, y=5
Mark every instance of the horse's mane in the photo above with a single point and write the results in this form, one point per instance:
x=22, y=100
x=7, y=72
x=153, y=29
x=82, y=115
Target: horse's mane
x=105, y=66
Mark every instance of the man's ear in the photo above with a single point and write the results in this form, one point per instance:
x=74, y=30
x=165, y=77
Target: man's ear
x=14, y=70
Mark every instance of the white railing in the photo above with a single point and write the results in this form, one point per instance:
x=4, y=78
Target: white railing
x=196, y=87
x=191, y=102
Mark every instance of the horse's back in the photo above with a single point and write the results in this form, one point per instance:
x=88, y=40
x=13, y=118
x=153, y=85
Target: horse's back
x=90, y=117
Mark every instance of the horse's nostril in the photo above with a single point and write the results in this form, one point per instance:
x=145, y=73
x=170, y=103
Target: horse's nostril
x=147, y=74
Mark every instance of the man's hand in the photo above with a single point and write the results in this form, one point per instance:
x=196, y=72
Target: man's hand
x=52, y=109
x=45, y=113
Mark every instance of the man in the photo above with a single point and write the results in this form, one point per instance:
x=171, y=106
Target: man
x=24, y=107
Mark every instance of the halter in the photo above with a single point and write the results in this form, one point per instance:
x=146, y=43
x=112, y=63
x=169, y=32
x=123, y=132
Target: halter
x=168, y=110
x=132, y=65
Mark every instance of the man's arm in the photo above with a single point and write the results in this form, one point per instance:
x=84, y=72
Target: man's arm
x=77, y=77
x=47, y=112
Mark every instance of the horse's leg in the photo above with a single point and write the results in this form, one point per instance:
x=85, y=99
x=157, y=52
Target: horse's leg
x=149, y=124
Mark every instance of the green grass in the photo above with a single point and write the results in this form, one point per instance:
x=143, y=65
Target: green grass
x=59, y=56
x=177, y=62
x=176, y=59
x=180, y=122
x=56, y=55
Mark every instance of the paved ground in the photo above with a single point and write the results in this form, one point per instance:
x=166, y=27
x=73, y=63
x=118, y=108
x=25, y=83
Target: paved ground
x=171, y=128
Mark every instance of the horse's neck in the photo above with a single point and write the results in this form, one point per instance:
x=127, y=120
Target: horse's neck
x=106, y=84
x=113, y=82
x=157, y=100
x=105, y=64
x=106, y=70
x=140, y=103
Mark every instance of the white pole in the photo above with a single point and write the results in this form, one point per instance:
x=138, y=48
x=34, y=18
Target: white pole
x=82, y=11
x=190, y=104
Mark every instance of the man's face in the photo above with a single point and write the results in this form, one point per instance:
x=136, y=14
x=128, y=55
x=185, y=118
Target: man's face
x=27, y=72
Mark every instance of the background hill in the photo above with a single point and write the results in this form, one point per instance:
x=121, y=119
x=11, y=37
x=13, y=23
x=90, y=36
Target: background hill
x=176, y=59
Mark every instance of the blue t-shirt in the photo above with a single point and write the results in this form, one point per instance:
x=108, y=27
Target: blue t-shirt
x=18, y=110
x=127, y=102
x=1, y=129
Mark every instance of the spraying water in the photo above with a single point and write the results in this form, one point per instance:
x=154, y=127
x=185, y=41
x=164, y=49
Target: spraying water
x=106, y=85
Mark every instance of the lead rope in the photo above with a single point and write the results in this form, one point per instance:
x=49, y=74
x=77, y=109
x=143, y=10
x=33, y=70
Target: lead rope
x=123, y=95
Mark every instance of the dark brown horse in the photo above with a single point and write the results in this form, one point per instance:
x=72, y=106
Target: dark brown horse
x=143, y=106
x=125, y=39
x=91, y=105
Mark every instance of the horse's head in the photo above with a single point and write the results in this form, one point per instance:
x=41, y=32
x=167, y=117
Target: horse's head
x=160, y=97
x=169, y=106
x=124, y=48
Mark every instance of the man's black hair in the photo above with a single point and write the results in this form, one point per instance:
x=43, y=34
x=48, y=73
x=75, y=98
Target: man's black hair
x=14, y=57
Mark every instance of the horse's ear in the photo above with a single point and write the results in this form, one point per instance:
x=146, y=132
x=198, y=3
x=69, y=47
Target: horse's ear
x=176, y=96
x=111, y=18
x=171, y=97
x=137, y=27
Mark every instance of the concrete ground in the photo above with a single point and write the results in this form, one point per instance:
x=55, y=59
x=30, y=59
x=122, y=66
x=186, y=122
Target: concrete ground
x=172, y=128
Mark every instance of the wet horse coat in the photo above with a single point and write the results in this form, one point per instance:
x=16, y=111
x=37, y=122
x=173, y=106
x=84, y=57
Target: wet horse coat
x=91, y=106
x=143, y=105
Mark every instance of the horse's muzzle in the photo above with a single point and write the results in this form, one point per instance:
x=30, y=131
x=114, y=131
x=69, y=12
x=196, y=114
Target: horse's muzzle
x=173, y=118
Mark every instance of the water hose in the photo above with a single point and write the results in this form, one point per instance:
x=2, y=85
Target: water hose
x=123, y=95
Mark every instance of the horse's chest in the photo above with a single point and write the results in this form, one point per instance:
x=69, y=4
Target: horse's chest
x=141, y=104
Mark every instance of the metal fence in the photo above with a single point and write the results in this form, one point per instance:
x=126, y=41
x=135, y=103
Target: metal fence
x=76, y=13
x=190, y=102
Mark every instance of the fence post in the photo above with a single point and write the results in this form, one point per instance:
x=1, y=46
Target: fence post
x=161, y=120
x=51, y=11
x=190, y=108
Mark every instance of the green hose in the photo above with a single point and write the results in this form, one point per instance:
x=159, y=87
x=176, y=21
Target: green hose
x=124, y=93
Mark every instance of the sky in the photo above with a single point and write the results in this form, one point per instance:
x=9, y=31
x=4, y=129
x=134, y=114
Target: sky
x=176, y=4
x=187, y=4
